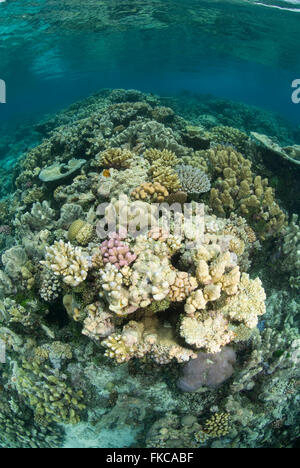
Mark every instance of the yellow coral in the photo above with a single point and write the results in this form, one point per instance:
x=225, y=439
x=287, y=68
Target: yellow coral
x=80, y=231
x=217, y=425
x=165, y=176
x=150, y=192
x=182, y=287
x=164, y=157
x=237, y=189
x=116, y=157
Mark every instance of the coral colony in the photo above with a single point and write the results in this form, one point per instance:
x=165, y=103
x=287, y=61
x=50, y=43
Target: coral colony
x=161, y=317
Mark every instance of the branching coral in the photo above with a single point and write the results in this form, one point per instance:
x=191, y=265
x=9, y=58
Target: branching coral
x=237, y=189
x=116, y=157
x=67, y=261
x=193, y=180
x=147, y=337
x=174, y=288
x=49, y=396
x=212, y=329
x=132, y=216
x=162, y=168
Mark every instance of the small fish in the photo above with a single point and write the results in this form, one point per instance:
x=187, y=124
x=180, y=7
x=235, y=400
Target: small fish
x=106, y=173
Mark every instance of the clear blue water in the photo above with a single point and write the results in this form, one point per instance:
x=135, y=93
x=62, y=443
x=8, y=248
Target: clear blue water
x=53, y=52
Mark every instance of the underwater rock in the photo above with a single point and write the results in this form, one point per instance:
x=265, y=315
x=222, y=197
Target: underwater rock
x=207, y=370
x=290, y=153
x=59, y=171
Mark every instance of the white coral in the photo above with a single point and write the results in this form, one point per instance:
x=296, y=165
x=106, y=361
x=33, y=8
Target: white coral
x=67, y=261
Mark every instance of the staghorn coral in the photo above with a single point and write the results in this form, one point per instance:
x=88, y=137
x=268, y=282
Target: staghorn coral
x=193, y=180
x=66, y=261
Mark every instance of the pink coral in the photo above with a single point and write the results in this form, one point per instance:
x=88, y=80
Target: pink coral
x=117, y=252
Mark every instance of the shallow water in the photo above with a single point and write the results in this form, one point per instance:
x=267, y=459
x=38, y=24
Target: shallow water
x=233, y=49
x=216, y=84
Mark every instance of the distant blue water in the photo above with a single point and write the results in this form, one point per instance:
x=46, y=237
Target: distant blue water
x=47, y=64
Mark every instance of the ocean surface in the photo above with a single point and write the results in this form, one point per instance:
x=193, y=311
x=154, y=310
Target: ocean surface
x=79, y=77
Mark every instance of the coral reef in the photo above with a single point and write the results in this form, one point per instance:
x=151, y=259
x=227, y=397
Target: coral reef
x=130, y=317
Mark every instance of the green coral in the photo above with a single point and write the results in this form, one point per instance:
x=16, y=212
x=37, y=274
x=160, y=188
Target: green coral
x=48, y=394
